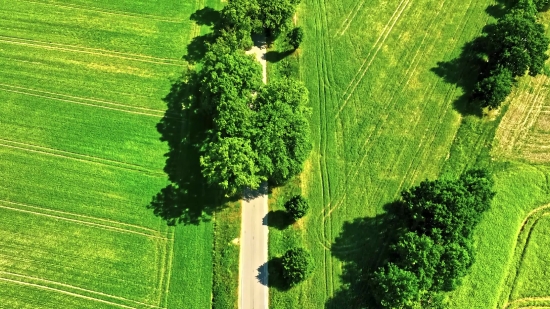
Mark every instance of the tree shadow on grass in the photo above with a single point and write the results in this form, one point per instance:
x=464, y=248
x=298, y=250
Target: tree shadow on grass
x=464, y=72
x=278, y=219
x=206, y=16
x=275, y=278
x=362, y=247
x=187, y=199
x=198, y=47
x=276, y=56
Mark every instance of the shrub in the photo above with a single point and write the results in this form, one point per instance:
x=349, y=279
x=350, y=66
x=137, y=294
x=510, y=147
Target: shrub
x=297, y=207
x=296, y=265
x=295, y=37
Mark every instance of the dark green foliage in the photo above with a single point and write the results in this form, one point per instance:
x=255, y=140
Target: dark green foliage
x=434, y=247
x=541, y=4
x=282, y=139
x=297, y=207
x=395, y=287
x=518, y=43
x=295, y=37
x=493, y=90
x=276, y=15
x=296, y=265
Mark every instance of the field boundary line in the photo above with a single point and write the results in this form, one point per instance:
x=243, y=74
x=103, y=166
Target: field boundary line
x=522, y=241
x=64, y=156
x=161, y=112
x=93, y=224
x=80, y=103
x=79, y=215
x=73, y=287
x=110, y=12
x=364, y=69
x=49, y=46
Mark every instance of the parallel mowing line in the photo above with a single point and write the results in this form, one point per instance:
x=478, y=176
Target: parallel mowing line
x=80, y=103
x=81, y=216
x=78, y=157
x=116, y=13
x=97, y=225
x=54, y=46
x=85, y=99
x=74, y=288
x=353, y=11
x=363, y=69
x=169, y=267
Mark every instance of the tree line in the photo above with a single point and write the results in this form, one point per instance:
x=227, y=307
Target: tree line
x=254, y=132
x=514, y=45
x=433, y=248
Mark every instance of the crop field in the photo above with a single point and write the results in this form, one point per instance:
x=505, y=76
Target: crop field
x=383, y=88
x=81, y=90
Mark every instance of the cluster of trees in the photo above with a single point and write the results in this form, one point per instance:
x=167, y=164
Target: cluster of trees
x=515, y=44
x=434, y=247
x=255, y=132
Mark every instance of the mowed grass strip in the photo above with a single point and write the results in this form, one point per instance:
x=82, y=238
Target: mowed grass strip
x=382, y=119
x=79, y=25
x=109, y=265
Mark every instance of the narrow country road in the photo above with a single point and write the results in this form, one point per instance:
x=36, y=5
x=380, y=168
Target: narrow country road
x=253, y=290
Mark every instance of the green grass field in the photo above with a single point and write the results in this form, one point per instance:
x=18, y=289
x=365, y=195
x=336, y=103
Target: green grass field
x=386, y=95
x=82, y=86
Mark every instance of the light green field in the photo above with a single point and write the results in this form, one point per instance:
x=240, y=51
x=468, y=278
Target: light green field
x=81, y=89
x=382, y=121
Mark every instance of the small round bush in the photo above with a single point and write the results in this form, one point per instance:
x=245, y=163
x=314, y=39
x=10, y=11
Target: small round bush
x=295, y=37
x=296, y=265
x=297, y=207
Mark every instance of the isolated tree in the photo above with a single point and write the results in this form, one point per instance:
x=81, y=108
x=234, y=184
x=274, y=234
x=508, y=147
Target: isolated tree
x=297, y=265
x=282, y=141
x=295, y=37
x=230, y=163
x=494, y=89
x=395, y=288
x=297, y=207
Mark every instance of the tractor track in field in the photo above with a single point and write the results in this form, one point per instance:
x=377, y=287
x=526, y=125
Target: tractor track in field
x=82, y=216
x=109, y=12
x=35, y=279
x=79, y=157
x=78, y=221
x=144, y=109
x=80, y=103
x=89, y=51
x=522, y=241
x=350, y=90
x=349, y=18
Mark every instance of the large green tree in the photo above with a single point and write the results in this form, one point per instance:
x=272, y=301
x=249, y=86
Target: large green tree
x=494, y=89
x=396, y=288
x=282, y=138
x=230, y=163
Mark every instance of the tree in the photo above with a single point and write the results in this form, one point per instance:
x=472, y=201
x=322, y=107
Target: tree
x=242, y=17
x=541, y=4
x=230, y=163
x=295, y=37
x=297, y=207
x=518, y=43
x=493, y=90
x=276, y=15
x=296, y=265
x=395, y=288
x=282, y=139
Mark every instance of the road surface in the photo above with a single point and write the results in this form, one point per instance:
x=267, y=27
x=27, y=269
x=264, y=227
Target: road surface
x=253, y=290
